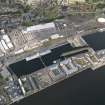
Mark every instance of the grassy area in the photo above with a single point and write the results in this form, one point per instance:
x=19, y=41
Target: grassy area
x=27, y=23
x=2, y=81
x=100, y=5
x=93, y=1
x=51, y=13
x=81, y=61
x=18, y=13
x=27, y=8
x=48, y=14
x=93, y=58
x=53, y=41
x=51, y=19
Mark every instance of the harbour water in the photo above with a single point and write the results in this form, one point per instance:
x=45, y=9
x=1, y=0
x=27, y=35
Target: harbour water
x=96, y=40
x=85, y=88
x=26, y=67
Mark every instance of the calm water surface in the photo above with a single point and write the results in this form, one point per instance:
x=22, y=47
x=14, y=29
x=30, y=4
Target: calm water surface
x=26, y=67
x=85, y=88
x=96, y=40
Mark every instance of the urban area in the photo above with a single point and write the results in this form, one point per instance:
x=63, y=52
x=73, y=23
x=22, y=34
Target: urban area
x=43, y=42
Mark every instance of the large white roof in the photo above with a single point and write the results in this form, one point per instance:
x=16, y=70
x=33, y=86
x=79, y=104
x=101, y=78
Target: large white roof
x=101, y=20
x=6, y=38
x=4, y=44
x=39, y=27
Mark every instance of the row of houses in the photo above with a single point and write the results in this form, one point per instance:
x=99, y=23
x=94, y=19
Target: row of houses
x=57, y=72
x=35, y=2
